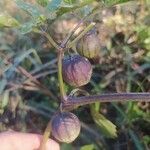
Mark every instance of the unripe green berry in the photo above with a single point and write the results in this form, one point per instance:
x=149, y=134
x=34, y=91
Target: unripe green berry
x=77, y=70
x=89, y=46
x=65, y=127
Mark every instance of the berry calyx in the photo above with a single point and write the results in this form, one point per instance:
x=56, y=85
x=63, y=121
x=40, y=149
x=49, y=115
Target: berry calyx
x=89, y=46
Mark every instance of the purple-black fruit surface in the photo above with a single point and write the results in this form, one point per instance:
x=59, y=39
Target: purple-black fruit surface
x=89, y=46
x=65, y=127
x=77, y=70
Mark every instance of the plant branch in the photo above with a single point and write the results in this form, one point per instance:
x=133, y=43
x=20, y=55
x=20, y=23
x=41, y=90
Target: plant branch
x=73, y=102
x=61, y=50
x=61, y=53
x=50, y=39
x=72, y=32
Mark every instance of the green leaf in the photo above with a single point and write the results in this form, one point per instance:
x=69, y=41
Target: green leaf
x=42, y=2
x=26, y=53
x=88, y=147
x=66, y=146
x=32, y=24
x=65, y=8
x=3, y=83
x=29, y=8
x=37, y=17
x=114, y=2
x=5, y=99
x=106, y=126
x=53, y=5
x=70, y=1
x=19, y=59
x=27, y=27
x=143, y=33
x=136, y=140
x=146, y=139
x=7, y=21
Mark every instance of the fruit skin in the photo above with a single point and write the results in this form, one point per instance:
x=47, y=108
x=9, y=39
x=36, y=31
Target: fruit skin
x=89, y=46
x=65, y=127
x=77, y=70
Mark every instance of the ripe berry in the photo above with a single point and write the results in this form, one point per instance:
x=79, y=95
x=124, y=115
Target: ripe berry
x=77, y=70
x=65, y=127
x=89, y=46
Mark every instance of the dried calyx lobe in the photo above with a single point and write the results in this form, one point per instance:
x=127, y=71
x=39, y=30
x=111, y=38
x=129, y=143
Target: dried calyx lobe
x=65, y=127
x=89, y=46
x=77, y=70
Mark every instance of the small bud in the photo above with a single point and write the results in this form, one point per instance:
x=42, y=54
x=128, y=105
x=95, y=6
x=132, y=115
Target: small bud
x=77, y=70
x=89, y=46
x=65, y=127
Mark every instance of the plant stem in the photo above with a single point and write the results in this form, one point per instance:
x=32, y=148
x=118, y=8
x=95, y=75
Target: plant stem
x=50, y=39
x=77, y=26
x=60, y=78
x=45, y=136
x=89, y=27
x=72, y=32
x=74, y=102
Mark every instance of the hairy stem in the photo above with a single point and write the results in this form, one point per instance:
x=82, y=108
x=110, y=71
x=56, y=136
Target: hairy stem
x=60, y=78
x=74, y=102
x=45, y=136
x=64, y=43
x=50, y=39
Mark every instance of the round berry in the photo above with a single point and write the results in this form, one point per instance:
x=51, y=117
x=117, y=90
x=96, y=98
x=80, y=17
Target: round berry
x=77, y=70
x=65, y=127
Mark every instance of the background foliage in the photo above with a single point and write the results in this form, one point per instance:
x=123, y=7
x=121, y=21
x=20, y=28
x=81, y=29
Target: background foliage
x=124, y=32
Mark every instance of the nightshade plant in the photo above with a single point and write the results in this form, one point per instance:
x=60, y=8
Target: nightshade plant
x=69, y=66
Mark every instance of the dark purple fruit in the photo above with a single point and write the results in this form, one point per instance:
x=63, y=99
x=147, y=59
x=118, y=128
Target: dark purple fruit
x=65, y=127
x=89, y=46
x=77, y=70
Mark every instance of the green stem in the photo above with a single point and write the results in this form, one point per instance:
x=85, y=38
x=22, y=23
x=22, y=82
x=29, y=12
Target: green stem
x=60, y=78
x=45, y=136
x=50, y=39
x=89, y=27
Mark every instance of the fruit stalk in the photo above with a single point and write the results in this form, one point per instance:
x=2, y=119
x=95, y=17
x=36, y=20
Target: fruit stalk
x=89, y=27
x=74, y=102
x=45, y=136
x=60, y=78
x=50, y=39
